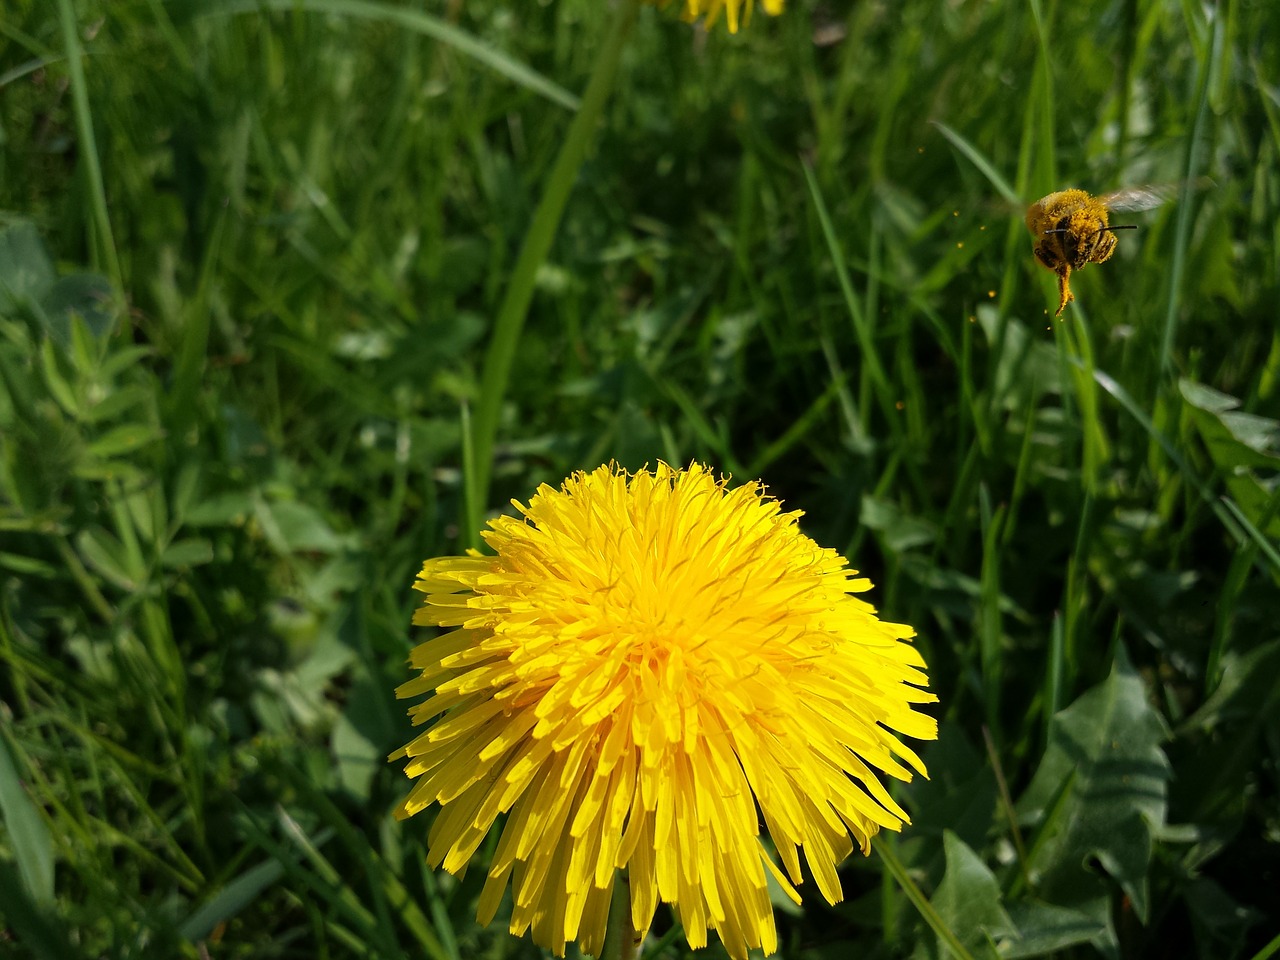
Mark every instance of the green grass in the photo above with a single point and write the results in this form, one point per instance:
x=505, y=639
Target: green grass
x=250, y=258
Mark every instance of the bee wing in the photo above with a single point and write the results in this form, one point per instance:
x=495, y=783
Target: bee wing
x=1149, y=195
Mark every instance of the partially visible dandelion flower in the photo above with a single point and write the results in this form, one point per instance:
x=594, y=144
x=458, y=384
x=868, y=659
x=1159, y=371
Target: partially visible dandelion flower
x=650, y=666
x=735, y=11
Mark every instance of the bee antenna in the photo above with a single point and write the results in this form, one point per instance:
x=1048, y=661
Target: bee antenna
x=1121, y=226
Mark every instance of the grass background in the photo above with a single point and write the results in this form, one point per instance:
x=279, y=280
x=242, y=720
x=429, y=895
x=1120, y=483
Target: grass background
x=248, y=266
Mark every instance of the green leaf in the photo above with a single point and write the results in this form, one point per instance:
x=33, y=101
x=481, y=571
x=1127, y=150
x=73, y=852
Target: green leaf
x=1100, y=791
x=59, y=387
x=1234, y=439
x=120, y=471
x=901, y=531
x=190, y=552
x=293, y=527
x=1219, y=920
x=1248, y=691
x=1219, y=745
x=1045, y=929
x=969, y=901
x=105, y=554
x=28, y=566
x=26, y=272
x=1026, y=367
x=123, y=439
x=84, y=295
x=116, y=403
x=28, y=833
x=363, y=735
x=960, y=794
x=1239, y=443
x=220, y=510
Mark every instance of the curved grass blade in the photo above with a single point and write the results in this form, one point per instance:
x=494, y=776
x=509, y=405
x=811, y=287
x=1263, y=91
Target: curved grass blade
x=984, y=165
x=433, y=27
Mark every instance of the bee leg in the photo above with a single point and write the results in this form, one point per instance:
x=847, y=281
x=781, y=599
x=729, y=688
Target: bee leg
x=1065, y=295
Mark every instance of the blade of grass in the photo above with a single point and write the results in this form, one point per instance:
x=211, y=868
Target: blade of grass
x=433, y=27
x=533, y=253
x=1270, y=950
x=873, y=368
x=230, y=900
x=28, y=833
x=104, y=245
x=1190, y=165
x=41, y=934
x=979, y=160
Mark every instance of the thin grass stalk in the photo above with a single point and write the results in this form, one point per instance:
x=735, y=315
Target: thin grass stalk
x=1191, y=162
x=533, y=253
x=104, y=245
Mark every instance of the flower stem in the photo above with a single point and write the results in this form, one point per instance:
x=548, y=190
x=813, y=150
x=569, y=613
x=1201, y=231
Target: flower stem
x=619, y=939
x=533, y=253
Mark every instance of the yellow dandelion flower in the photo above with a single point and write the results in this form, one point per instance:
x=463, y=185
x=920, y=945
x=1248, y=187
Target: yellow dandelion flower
x=735, y=11
x=650, y=666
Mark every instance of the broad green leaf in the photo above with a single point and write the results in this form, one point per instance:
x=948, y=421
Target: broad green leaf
x=1045, y=929
x=1026, y=367
x=1239, y=443
x=26, y=272
x=28, y=834
x=901, y=531
x=1099, y=792
x=1219, y=745
x=363, y=735
x=960, y=794
x=1234, y=439
x=293, y=527
x=1248, y=691
x=1219, y=920
x=969, y=901
x=84, y=295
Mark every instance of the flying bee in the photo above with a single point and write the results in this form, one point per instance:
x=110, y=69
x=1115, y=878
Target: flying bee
x=1071, y=228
